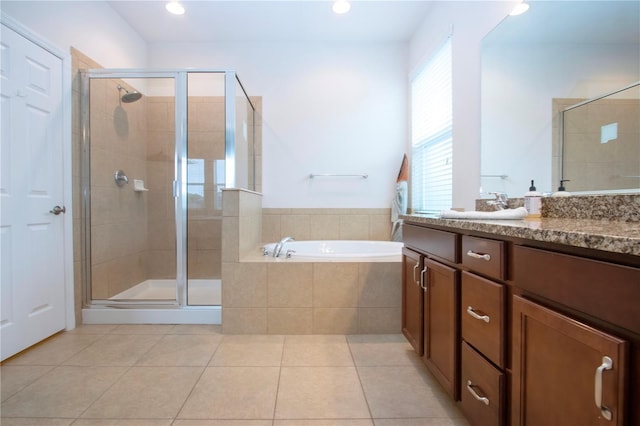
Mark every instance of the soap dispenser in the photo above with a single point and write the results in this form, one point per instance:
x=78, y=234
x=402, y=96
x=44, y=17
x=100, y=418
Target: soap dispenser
x=561, y=192
x=533, y=202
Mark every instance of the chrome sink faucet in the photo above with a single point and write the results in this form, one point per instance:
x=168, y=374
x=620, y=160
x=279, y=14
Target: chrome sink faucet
x=501, y=201
x=278, y=247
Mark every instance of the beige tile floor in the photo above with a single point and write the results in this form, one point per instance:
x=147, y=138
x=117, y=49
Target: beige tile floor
x=182, y=375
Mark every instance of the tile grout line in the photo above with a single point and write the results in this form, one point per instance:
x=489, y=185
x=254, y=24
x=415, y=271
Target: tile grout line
x=206, y=366
x=275, y=402
x=108, y=388
x=364, y=394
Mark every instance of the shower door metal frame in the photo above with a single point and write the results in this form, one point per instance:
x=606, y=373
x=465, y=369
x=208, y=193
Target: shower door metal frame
x=179, y=147
x=180, y=77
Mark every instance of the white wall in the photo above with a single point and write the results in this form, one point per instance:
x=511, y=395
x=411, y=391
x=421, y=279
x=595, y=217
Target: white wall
x=327, y=108
x=471, y=21
x=92, y=27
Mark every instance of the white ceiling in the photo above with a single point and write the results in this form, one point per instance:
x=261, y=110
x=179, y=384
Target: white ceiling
x=605, y=21
x=274, y=20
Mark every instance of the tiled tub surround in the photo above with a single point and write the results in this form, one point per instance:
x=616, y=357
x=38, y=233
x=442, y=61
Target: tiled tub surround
x=277, y=296
x=283, y=296
x=326, y=224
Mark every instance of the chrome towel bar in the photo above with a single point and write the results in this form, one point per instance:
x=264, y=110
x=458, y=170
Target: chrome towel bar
x=315, y=175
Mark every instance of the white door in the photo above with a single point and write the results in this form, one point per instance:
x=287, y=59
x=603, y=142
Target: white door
x=31, y=185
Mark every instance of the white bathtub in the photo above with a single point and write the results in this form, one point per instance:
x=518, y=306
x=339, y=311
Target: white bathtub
x=338, y=249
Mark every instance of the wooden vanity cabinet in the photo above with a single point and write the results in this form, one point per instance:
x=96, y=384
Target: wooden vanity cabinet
x=412, y=299
x=538, y=334
x=436, y=254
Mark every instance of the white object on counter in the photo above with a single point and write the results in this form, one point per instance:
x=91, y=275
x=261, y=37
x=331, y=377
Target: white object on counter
x=562, y=192
x=509, y=214
x=138, y=185
x=533, y=202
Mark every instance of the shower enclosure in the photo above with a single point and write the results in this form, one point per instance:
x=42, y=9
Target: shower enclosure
x=158, y=147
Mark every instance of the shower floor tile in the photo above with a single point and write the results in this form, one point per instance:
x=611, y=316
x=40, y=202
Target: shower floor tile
x=192, y=375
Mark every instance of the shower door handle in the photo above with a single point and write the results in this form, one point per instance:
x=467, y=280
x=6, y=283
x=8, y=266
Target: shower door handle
x=175, y=189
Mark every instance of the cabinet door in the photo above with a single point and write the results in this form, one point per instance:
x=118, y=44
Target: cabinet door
x=412, y=300
x=441, y=335
x=559, y=371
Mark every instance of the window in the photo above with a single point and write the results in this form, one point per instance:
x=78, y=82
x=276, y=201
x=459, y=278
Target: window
x=431, y=134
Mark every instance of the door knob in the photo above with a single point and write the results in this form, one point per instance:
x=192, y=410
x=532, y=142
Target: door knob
x=57, y=210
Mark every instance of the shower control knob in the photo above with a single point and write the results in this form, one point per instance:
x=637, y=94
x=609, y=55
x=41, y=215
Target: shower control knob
x=57, y=210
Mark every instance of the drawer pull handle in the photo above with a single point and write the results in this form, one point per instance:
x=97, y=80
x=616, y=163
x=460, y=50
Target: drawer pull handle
x=472, y=391
x=415, y=269
x=475, y=255
x=607, y=364
x=423, y=284
x=473, y=313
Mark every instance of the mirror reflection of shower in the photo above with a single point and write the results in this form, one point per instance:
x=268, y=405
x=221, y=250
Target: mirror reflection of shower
x=129, y=96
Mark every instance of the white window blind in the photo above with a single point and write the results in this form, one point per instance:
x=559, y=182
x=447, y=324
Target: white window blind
x=431, y=130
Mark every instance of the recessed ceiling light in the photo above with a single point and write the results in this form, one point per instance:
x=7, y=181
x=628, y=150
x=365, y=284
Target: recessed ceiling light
x=341, y=6
x=519, y=9
x=175, y=7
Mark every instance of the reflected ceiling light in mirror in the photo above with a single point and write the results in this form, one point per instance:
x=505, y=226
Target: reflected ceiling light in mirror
x=519, y=9
x=341, y=7
x=175, y=8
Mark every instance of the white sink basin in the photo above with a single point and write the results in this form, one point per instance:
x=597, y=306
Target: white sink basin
x=507, y=214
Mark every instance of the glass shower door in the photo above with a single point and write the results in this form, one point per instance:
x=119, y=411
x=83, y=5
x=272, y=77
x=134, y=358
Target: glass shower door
x=128, y=170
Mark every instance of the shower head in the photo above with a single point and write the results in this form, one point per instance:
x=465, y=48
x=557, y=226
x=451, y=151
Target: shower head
x=129, y=97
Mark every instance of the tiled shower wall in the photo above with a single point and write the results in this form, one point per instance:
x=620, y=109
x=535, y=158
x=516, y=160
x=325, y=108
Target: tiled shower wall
x=119, y=248
x=161, y=245
x=206, y=124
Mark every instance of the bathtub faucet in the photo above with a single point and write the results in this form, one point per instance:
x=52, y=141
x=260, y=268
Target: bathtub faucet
x=278, y=247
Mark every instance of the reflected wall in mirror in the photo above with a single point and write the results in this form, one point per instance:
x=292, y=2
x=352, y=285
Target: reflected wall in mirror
x=601, y=143
x=557, y=50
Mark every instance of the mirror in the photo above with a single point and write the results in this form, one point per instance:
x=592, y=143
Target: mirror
x=569, y=50
x=600, y=142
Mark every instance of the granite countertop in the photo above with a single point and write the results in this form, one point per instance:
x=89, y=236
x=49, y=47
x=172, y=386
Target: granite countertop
x=598, y=234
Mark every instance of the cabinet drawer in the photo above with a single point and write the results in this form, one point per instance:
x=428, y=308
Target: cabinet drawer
x=482, y=309
x=484, y=256
x=482, y=389
x=432, y=241
x=600, y=289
